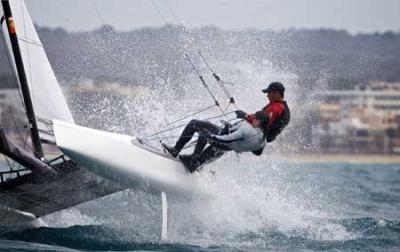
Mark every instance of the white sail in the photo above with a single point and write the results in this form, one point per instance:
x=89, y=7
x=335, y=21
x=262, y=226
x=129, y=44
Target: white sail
x=48, y=100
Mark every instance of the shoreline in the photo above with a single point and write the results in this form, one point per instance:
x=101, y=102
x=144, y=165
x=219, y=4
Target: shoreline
x=345, y=158
x=334, y=158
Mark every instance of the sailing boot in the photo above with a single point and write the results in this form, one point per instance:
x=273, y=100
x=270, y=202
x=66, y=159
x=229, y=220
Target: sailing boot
x=171, y=150
x=188, y=162
x=192, y=162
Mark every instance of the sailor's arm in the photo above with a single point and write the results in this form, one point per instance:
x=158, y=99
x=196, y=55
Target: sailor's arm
x=235, y=126
x=234, y=136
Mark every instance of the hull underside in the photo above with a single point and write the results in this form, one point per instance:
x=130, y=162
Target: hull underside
x=28, y=197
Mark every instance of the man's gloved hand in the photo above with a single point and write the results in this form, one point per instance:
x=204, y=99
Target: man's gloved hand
x=240, y=114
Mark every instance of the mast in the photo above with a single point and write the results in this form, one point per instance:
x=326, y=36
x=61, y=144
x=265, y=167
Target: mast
x=37, y=147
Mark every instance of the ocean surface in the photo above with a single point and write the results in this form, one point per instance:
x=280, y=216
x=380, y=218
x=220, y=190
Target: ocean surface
x=254, y=205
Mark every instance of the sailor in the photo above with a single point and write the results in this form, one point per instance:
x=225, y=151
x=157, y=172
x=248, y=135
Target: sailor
x=276, y=110
x=244, y=136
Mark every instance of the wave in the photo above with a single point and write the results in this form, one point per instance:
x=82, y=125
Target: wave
x=368, y=233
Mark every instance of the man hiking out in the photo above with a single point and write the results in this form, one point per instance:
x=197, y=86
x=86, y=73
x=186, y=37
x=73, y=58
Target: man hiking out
x=270, y=121
x=241, y=137
x=276, y=110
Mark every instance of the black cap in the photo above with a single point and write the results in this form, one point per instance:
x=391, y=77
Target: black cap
x=274, y=86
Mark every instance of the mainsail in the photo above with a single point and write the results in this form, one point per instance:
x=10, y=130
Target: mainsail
x=30, y=99
x=47, y=98
x=79, y=174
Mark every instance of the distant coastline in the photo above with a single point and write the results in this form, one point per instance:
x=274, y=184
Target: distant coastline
x=335, y=158
x=344, y=158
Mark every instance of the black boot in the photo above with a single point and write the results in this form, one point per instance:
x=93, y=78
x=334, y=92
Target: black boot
x=189, y=162
x=171, y=150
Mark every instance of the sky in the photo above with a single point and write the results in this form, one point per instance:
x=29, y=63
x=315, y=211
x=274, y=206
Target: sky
x=355, y=16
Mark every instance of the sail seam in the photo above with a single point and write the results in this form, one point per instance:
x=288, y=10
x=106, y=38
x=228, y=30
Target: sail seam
x=29, y=41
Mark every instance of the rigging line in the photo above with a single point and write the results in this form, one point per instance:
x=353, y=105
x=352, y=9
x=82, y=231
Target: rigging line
x=187, y=35
x=218, y=116
x=165, y=137
x=172, y=128
x=10, y=166
x=186, y=32
x=182, y=125
x=172, y=13
x=226, y=108
x=19, y=134
x=141, y=141
x=187, y=116
x=203, y=82
x=166, y=130
x=219, y=81
x=159, y=12
x=98, y=13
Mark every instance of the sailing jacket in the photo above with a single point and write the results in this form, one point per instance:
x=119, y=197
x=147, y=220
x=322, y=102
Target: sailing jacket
x=243, y=137
x=279, y=117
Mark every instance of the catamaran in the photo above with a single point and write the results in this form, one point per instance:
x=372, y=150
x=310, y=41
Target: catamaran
x=61, y=164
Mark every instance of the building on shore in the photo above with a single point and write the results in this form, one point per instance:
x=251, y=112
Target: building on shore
x=359, y=121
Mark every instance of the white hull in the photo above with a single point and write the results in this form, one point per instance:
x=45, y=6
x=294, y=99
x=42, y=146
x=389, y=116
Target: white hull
x=123, y=159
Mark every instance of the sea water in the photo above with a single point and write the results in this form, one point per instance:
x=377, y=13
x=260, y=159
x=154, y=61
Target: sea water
x=256, y=205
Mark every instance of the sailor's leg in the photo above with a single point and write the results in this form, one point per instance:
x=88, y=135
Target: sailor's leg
x=191, y=128
x=210, y=154
x=201, y=143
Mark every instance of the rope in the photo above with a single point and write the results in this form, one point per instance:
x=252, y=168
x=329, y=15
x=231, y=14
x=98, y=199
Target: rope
x=219, y=81
x=195, y=113
x=10, y=166
x=165, y=137
x=173, y=14
x=102, y=22
x=219, y=116
x=166, y=130
x=22, y=138
x=187, y=56
x=149, y=137
x=204, y=83
x=159, y=12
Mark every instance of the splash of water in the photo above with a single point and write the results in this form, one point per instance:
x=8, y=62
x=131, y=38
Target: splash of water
x=252, y=195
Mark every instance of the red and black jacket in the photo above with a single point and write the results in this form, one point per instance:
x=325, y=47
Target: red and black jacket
x=279, y=117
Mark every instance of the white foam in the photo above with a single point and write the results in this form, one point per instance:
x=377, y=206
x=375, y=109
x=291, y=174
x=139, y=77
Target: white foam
x=253, y=195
